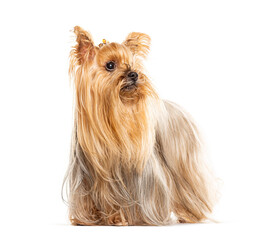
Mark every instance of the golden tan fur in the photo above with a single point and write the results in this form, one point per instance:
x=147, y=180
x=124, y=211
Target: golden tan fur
x=135, y=159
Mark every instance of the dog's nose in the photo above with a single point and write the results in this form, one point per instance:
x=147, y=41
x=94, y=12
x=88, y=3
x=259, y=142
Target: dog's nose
x=133, y=76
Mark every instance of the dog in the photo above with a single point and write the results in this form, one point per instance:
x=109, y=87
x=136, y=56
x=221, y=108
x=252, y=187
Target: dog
x=135, y=159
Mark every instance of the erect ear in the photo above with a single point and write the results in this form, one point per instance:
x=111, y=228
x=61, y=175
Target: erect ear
x=139, y=43
x=84, y=50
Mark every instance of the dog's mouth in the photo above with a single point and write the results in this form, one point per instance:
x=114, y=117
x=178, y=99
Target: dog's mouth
x=130, y=86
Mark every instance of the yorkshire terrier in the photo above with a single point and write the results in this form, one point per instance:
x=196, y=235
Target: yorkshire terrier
x=135, y=159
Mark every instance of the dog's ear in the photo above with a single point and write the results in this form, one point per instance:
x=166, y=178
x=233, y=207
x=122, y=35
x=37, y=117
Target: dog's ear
x=84, y=50
x=139, y=43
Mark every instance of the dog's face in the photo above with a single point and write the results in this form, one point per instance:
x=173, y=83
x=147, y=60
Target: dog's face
x=113, y=71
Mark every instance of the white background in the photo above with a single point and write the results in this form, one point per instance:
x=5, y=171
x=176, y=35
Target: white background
x=211, y=57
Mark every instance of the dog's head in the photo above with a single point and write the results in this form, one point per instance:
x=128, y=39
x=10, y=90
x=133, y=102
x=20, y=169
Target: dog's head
x=112, y=71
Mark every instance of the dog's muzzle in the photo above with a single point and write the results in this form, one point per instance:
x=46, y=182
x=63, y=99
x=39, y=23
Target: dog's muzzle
x=131, y=80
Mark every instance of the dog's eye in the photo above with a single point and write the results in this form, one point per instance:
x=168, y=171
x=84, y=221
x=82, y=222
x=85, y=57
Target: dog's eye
x=110, y=66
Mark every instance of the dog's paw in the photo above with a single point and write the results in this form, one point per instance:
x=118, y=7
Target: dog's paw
x=117, y=220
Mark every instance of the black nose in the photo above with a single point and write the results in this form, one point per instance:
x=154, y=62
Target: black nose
x=133, y=76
